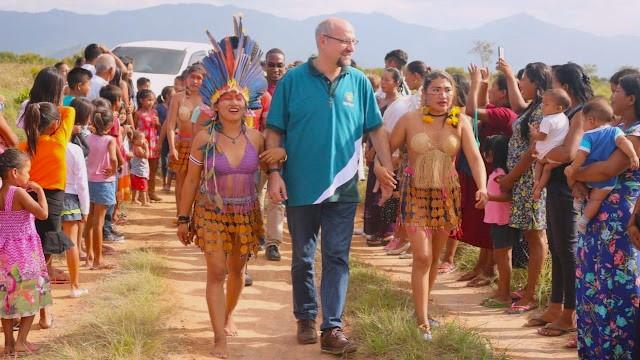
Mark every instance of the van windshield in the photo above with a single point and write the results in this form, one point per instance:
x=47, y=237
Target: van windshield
x=153, y=60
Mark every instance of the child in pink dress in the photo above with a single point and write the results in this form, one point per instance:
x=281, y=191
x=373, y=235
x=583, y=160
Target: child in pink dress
x=148, y=122
x=24, y=281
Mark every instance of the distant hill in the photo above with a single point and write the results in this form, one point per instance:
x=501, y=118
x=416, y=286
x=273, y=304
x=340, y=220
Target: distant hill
x=60, y=33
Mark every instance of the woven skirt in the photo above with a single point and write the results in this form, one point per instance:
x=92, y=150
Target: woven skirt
x=431, y=209
x=235, y=233
x=183, y=146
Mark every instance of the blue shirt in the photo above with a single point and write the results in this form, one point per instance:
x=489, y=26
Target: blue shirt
x=599, y=144
x=322, y=123
x=66, y=101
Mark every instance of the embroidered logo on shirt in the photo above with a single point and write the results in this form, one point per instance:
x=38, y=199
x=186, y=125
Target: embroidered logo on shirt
x=348, y=99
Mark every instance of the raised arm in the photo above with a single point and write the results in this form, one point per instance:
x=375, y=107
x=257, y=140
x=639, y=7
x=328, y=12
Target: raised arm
x=518, y=104
x=477, y=91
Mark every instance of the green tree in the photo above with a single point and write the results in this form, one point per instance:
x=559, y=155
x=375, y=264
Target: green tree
x=484, y=50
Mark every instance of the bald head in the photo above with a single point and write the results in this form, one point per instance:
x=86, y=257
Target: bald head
x=105, y=63
x=332, y=25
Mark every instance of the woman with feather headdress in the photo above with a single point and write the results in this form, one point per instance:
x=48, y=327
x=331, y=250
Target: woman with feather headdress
x=221, y=182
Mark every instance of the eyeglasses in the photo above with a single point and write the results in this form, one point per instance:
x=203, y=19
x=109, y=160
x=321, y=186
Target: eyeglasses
x=353, y=42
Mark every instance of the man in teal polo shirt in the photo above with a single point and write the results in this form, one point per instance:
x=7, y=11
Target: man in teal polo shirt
x=319, y=113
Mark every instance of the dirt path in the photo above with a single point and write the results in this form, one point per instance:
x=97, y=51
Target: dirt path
x=264, y=317
x=462, y=304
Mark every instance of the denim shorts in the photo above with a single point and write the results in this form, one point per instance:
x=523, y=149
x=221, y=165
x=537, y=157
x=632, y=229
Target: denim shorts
x=102, y=193
x=504, y=236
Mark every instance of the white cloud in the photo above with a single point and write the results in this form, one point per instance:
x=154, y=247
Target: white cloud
x=596, y=16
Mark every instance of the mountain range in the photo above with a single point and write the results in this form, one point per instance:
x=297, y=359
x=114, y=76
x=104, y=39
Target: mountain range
x=59, y=33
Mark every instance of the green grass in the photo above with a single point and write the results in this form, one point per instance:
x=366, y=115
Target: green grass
x=381, y=316
x=467, y=256
x=126, y=320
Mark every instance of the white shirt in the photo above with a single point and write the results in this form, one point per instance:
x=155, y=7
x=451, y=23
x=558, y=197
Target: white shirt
x=77, y=182
x=91, y=68
x=556, y=127
x=97, y=83
x=397, y=109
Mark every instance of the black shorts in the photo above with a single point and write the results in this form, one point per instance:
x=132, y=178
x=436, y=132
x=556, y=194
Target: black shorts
x=504, y=236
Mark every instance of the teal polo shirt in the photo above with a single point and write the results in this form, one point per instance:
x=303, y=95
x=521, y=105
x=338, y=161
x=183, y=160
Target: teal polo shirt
x=322, y=123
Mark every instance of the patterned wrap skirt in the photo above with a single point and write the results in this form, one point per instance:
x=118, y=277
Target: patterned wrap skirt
x=431, y=209
x=234, y=232
x=183, y=146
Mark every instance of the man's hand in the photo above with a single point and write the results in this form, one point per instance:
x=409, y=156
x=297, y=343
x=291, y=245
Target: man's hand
x=385, y=176
x=276, y=188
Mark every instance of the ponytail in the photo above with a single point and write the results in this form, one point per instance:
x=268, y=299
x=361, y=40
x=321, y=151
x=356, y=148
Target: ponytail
x=102, y=120
x=37, y=118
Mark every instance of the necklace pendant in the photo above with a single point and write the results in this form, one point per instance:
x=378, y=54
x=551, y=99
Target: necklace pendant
x=233, y=141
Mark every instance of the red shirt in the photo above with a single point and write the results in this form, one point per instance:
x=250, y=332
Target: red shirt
x=499, y=121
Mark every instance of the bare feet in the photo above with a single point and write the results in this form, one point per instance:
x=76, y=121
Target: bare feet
x=230, y=328
x=45, y=323
x=103, y=266
x=136, y=202
x=469, y=275
x=145, y=205
x=26, y=348
x=220, y=349
x=9, y=347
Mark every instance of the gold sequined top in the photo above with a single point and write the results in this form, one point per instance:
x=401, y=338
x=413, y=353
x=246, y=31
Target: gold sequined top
x=434, y=166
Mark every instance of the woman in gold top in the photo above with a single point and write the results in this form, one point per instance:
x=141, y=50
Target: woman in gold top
x=430, y=202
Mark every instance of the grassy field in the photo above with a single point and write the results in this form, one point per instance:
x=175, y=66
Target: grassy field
x=381, y=315
x=126, y=321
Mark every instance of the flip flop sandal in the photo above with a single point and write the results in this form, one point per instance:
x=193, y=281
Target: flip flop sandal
x=520, y=309
x=493, y=303
x=551, y=330
x=60, y=280
x=480, y=281
x=467, y=276
x=446, y=267
x=517, y=295
x=536, y=322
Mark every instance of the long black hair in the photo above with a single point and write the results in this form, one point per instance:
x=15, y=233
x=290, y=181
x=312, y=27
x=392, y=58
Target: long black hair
x=37, y=118
x=539, y=74
x=47, y=87
x=578, y=83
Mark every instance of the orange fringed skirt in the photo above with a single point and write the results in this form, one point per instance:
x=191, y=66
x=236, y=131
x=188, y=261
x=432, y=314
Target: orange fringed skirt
x=183, y=146
x=235, y=233
x=432, y=209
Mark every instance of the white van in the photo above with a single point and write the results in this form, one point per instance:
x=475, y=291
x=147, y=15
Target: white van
x=161, y=61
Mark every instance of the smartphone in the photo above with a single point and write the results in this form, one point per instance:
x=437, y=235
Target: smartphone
x=500, y=52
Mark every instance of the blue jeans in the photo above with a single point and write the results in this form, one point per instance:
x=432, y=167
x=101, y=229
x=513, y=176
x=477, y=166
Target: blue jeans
x=336, y=221
x=108, y=217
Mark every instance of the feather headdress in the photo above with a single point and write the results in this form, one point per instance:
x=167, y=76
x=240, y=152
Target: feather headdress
x=234, y=65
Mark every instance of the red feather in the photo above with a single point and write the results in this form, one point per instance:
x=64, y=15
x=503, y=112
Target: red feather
x=229, y=59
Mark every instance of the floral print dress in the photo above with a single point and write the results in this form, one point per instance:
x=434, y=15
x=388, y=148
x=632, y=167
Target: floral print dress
x=24, y=281
x=607, y=280
x=526, y=213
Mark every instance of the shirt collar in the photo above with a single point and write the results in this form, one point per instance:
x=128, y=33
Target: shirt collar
x=314, y=71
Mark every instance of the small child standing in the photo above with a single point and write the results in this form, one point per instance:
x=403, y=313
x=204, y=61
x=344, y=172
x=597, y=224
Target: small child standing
x=551, y=133
x=101, y=168
x=24, y=280
x=148, y=122
x=497, y=213
x=139, y=169
x=599, y=141
x=76, y=196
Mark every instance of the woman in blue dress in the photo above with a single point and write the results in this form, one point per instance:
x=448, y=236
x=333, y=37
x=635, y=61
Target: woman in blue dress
x=608, y=282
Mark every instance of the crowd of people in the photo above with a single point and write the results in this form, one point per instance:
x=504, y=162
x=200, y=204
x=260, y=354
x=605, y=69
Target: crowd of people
x=518, y=164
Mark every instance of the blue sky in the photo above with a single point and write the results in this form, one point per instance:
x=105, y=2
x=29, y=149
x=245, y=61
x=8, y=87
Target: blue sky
x=609, y=17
